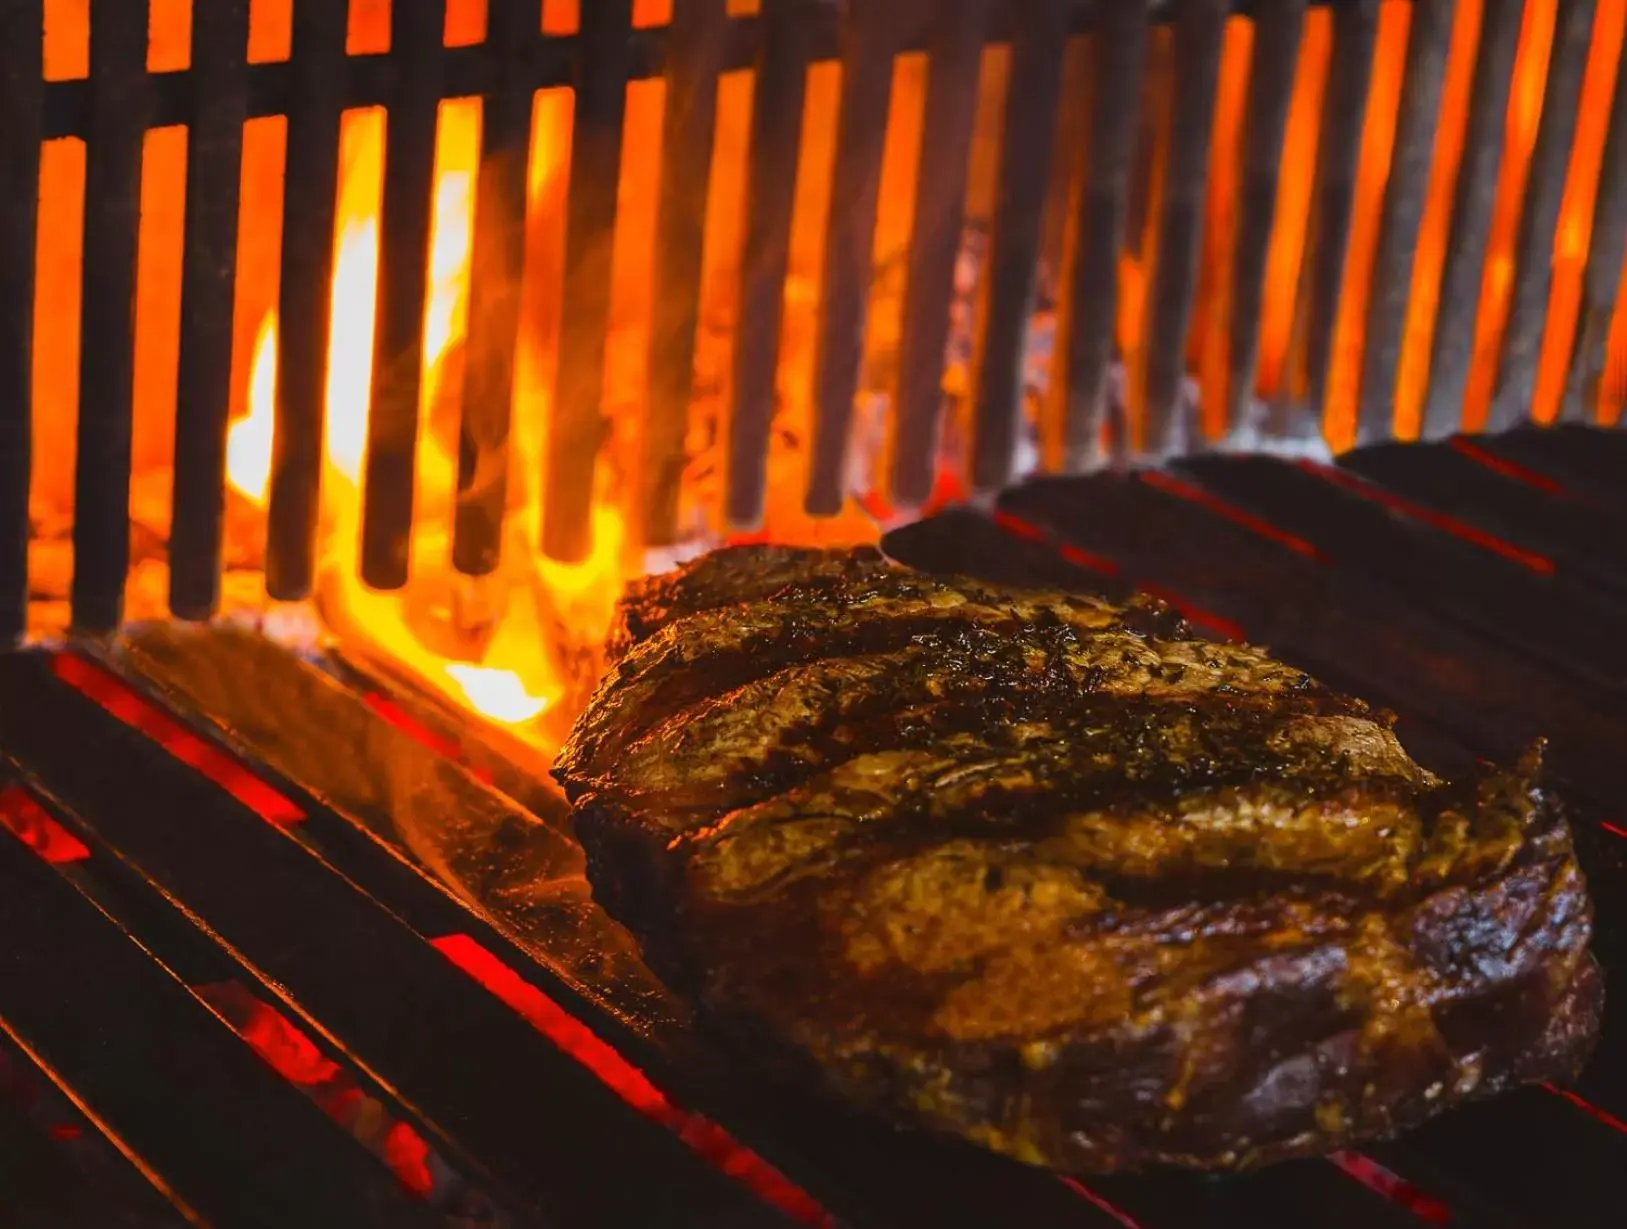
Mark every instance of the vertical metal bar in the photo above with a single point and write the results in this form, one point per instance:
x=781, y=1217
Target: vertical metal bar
x=1157, y=89
x=1473, y=203
x=1199, y=32
x=1428, y=39
x=494, y=293
x=22, y=99
x=949, y=111
x=398, y=339
x=694, y=58
x=867, y=35
x=1278, y=32
x=1602, y=280
x=579, y=426
x=1025, y=156
x=214, y=155
x=1070, y=154
x=311, y=179
x=1355, y=30
x=101, y=514
x=1118, y=63
x=776, y=133
x=1539, y=216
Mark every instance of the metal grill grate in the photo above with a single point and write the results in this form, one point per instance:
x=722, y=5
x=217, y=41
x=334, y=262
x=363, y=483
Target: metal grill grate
x=242, y=981
x=1136, y=189
x=238, y=986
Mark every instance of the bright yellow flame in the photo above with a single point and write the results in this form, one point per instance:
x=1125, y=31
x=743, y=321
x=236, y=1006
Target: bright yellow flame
x=497, y=693
x=509, y=646
x=446, y=319
x=248, y=442
x=355, y=280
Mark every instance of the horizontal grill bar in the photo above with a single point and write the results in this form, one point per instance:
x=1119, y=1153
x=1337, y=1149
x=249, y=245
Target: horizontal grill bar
x=292, y=861
x=226, y=1139
x=477, y=69
x=378, y=987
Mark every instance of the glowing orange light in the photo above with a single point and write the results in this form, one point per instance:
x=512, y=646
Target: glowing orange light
x=490, y=644
x=248, y=442
x=518, y=645
x=497, y=693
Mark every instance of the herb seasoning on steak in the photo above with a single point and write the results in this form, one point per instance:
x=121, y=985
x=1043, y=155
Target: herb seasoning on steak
x=1055, y=876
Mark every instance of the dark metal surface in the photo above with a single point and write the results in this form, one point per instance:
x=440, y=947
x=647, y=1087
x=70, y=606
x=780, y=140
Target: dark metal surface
x=1355, y=31
x=688, y=122
x=1200, y=26
x=352, y=957
x=1118, y=61
x=303, y=301
x=101, y=524
x=949, y=111
x=40, y=1188
x=1033, y=93
x=494, y=298
x=1351, y=627
x=1588, y=463
x=379, y=989
x=398, y=335
x=776, y=135
x=1277, y=34
x=233, y=1143
x=1528, y=604
x=58, y=1168
x=424, y=1160
x=1429, y=36
x=22, y=94
x=1577, y=535
x=214, y=152
x=869, y=35
x=547, y=59
x=1474, y=199
x=578, y=425
x=1602, y=281
x=1539, y=215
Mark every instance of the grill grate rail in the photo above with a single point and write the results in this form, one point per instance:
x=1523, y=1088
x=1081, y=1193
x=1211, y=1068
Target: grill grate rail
x=263, y=904
x=246, y=898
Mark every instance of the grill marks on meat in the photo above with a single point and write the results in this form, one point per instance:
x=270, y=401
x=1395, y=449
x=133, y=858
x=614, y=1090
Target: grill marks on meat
x=729, y=577
x=711, y=651
x=773, y=731
x=1079, y=792
x=1021, y=867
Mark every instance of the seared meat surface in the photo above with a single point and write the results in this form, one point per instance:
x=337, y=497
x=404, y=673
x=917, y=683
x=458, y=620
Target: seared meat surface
x=1057, y=877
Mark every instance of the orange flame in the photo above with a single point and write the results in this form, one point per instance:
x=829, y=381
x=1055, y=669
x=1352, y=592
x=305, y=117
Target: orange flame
x=248, y=442
x=494, y=644
x=513, y=645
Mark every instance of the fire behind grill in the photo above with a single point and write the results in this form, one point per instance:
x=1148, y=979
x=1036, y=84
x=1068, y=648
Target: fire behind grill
x=292, y=947
x=281, y=948
x=1300, y=203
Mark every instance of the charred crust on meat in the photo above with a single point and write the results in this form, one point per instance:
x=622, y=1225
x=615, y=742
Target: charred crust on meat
x=1060, y=878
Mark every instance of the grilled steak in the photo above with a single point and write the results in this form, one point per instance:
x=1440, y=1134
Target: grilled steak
x=1057, y=877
